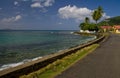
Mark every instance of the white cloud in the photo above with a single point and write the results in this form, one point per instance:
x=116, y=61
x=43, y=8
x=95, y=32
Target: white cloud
x=12, y=19
x=15, y=3
x=105, y=16
x=60, y=23
x=36, y=5
x=48, y=3
x=42, y=3
x=73, y=12
x=18, y=17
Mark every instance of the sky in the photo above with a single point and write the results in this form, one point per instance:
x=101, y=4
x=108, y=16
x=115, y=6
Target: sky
x=52, y=14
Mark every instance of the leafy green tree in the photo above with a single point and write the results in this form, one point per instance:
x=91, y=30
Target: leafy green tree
x=103, y=23
x=90, y=26
x=84, y=25
x=97, y=14
x=93, y=27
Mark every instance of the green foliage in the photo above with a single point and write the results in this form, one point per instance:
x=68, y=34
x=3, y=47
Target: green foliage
x=114, y=20
x=97, y=14
x=103, y=23
x=90, y=26
x=110, y=22
x=84, y=26
x=93, y=27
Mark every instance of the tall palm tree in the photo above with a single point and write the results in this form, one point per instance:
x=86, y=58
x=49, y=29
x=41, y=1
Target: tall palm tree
x=97, y=14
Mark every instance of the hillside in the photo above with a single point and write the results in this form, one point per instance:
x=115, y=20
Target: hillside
x=114, y=20
x=111, y=21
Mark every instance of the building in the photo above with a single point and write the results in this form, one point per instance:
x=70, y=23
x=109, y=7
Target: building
x=116, y=28
x=106, y=28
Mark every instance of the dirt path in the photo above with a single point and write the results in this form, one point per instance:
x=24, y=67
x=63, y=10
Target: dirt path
x=102, y=63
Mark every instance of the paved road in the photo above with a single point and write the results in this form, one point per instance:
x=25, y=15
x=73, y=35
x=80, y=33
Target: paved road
x=102, y=63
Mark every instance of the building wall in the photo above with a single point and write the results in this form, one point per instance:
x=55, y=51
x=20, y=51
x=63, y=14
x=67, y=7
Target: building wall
x=117, y=31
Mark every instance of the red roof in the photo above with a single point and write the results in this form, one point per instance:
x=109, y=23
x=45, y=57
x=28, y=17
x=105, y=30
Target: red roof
x=117, y=26
x=106, y=27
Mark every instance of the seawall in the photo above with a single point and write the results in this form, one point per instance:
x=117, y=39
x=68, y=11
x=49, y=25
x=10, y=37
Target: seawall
x=29, y=67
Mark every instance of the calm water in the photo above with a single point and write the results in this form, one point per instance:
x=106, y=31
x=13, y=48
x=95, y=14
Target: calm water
x=21, y=46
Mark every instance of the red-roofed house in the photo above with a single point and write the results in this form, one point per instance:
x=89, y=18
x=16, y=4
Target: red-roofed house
x=117, y=28
x=106, y=28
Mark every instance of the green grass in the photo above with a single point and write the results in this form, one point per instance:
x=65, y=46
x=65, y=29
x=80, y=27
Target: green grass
x=60, y=65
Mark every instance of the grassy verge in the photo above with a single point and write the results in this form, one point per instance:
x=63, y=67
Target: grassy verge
x=60, y=65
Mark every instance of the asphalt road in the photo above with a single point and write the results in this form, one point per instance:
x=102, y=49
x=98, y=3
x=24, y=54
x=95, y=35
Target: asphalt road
x=104, y=62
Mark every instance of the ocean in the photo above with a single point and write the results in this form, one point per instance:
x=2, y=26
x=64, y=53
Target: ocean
x=18, y=47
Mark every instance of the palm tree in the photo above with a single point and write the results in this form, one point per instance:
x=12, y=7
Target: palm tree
x=100, y=9
x=97, y=14
x=87, y=20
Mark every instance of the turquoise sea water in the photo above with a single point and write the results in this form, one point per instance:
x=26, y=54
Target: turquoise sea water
x=17, y=47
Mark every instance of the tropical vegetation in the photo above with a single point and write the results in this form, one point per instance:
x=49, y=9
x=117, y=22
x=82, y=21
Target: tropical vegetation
x=96, y=15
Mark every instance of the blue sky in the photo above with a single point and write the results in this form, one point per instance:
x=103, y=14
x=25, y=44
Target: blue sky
x=51, y=14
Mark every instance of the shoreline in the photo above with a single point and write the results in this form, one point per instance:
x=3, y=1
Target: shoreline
x=33, y=65
x=15, y=64
x=12, y=65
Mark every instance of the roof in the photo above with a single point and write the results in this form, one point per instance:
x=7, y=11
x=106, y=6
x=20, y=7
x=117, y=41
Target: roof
x=106, y=27
x=117, y=26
